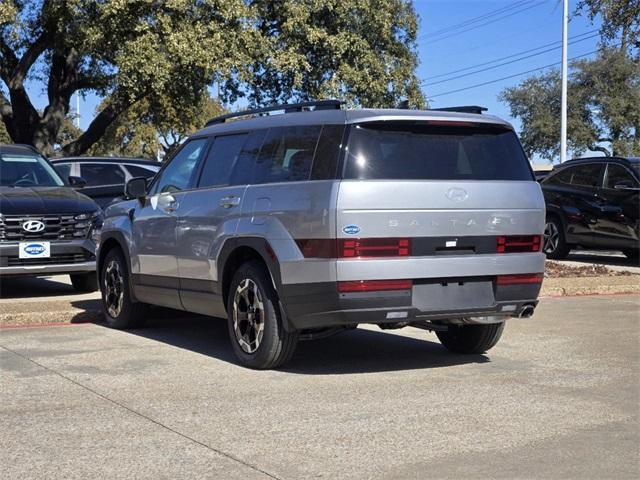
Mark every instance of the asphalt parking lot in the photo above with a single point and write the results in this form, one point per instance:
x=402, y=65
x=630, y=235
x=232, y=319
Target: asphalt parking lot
x=557, y=398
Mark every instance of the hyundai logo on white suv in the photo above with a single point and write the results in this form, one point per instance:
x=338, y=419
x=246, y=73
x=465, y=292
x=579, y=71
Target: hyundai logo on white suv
x=33, y=226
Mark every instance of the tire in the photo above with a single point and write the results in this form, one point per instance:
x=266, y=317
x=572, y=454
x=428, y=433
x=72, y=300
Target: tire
x=256, y=329
x=555, y=244
x=84, y=282
x=119, y=310
x=633, y=255
x=471, y=338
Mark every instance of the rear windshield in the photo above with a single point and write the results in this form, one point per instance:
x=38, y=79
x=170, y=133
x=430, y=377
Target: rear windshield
x=421, y=151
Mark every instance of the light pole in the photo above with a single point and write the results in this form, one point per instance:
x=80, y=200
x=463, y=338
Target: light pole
x=563, y=111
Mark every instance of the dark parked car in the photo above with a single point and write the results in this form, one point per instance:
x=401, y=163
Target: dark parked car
x=105, y=177
x=46, y=226
x=593, y=203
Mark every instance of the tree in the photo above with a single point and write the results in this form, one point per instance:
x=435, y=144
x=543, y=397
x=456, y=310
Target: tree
x=135, y=51
x=603, y=107
x=363, y=51
x=620, y=20
x=603, y=93
x=126, y=50
x=154, y=124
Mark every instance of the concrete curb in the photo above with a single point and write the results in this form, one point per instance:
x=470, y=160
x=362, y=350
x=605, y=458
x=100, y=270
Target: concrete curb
x=570, y=286
x=16, y=313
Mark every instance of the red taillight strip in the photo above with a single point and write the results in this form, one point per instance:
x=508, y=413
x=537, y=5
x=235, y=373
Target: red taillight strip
x=374, y=285
x=518, y=243
x=520, y=279
x=374, y=247
x=355, y=247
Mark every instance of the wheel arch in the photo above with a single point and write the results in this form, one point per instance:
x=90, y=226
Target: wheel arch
x=237, y=251
x=109, y=242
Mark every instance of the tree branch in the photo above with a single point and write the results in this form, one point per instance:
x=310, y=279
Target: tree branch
x=36, y=49
x=96, y=129
x=599, y=148
x=9, y=61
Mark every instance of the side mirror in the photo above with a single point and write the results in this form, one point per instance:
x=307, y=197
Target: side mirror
x=135, y=188
x=77, y=182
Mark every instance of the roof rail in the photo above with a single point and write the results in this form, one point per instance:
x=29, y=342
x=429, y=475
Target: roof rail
x=462, y=109
x=287, y=107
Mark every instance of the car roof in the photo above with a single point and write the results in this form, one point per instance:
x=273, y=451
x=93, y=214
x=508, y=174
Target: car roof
x=133, y=160
x=342, y=117
x=18, y=149
x=600, y=158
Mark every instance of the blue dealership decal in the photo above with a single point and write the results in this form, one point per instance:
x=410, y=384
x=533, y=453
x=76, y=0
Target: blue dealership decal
x=34, y=249
x=351, y=229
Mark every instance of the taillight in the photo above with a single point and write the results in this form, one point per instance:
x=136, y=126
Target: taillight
x=318, y=247
x=520, y=279
x=518, y=243
x=355, y=248
x=374, y=285
x=374, y=247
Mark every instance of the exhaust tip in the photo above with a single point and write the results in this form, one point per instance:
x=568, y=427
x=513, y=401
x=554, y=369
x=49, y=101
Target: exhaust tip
x=526, y=312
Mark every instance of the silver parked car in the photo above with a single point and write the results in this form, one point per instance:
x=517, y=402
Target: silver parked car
x=299, y=225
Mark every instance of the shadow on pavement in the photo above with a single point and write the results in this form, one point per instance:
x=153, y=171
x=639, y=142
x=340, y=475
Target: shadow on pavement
x=29, y=287
x=354, y=351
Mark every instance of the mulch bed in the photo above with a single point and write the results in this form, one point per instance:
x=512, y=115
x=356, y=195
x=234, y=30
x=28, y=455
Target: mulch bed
x=561, y=270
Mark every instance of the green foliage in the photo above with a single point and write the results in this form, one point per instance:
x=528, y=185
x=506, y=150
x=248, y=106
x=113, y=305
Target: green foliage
x=142, y=53
x=152, y=125
x=620, y=20
x=363, y=51
x=603, y=107
x=127, y=50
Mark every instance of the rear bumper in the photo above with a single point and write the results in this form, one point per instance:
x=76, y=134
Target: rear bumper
x=69, y=256
x=318, y=305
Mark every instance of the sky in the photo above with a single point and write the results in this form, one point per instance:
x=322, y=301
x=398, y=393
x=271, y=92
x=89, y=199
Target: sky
x=513, y=27
x=454, y=36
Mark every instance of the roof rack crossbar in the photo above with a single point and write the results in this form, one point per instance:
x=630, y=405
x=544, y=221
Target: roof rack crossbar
x=287, y=107
x=462, y=109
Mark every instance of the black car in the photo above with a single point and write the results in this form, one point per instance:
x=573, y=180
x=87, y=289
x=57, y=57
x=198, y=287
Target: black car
x=593, y=203
x=104, y=177
x=46, y=226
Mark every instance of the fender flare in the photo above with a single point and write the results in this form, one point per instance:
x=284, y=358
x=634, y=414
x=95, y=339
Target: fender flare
x=119, y=238
x=265, y=251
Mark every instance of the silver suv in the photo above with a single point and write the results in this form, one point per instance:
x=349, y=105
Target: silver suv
x=299, y=225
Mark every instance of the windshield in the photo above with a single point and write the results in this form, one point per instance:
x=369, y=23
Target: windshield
x=424, y=151
x=27, y=171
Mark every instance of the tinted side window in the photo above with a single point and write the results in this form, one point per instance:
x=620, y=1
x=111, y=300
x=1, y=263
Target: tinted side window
x=64, y=169
x=101, y=174
x=563, y=177
x=136, y=171
x=222, y=158
x=586, y=175
x=617, y=174
x=286, y=154
x=177, y=175
x=325, y=161
x=243, y=171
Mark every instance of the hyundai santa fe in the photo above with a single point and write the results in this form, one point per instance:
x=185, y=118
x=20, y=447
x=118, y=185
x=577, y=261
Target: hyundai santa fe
x=302, y=224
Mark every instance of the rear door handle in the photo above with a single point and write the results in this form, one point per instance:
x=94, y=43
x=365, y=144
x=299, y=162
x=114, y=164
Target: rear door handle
x=230, y=201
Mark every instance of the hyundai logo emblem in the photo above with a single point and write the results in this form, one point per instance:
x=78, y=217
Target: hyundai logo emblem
x=33, y=226
x=457, y=194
